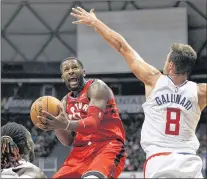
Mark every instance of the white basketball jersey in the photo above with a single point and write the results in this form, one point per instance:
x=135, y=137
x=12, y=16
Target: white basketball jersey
x=171, y=117
x=25, y=168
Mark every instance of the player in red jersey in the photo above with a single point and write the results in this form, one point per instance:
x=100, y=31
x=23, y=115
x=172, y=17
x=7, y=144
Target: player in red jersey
x=90, y=120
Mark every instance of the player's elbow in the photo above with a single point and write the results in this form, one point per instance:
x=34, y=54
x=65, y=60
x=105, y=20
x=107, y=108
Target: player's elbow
x=65, y=142
x=133, y=67
x=124, y=48
x=65, y=137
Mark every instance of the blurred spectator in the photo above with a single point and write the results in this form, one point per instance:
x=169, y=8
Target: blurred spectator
x=135, y=154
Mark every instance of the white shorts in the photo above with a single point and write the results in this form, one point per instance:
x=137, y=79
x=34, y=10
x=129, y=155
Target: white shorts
x=173, y=165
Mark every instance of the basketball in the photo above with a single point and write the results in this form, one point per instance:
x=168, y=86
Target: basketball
x=46, y=103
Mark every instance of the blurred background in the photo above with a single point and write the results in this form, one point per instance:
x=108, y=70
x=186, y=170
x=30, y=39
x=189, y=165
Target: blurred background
x=36, y=35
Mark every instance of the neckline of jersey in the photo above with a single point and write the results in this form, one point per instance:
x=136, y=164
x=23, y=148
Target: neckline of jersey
x=176, y=85
x=79, y=94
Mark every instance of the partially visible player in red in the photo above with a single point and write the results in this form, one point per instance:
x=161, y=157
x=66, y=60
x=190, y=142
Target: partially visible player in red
x=89, y=119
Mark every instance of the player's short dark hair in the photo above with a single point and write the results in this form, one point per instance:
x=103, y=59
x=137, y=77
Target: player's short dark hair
x=184, y=58
x=18, y=133
x=71, y=58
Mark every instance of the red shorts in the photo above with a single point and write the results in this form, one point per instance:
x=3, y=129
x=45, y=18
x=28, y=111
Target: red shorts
x=102, y=159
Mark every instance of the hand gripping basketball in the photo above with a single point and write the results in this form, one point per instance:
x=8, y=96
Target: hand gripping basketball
x=51, y=122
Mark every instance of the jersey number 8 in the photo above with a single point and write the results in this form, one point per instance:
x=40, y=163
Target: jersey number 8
x=173, y=121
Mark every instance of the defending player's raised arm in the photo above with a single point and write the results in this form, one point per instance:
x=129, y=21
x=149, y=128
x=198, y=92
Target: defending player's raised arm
x=202, y=95
x=143, y=71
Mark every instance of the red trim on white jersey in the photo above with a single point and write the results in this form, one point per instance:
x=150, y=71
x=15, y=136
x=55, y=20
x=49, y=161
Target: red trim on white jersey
x=154, y=155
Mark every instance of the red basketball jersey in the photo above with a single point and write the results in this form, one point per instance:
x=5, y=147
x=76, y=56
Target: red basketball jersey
x=110, y=127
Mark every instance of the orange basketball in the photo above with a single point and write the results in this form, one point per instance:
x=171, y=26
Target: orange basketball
x=46, y=103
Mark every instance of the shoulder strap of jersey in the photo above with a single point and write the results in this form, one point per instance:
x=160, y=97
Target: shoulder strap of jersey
x=88, y=84
x=86, y=87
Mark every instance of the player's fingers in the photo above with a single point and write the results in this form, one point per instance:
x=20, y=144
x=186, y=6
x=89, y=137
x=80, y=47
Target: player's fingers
x=41, y=126
x=76, y=15
x=45, y=121
x=49, y=128
x=60, y=107
x=92, y=11
x=76, y=11
x=77, y=22
x=81, y=9
x=45, y=128
x=48, y=115
x=42, y=119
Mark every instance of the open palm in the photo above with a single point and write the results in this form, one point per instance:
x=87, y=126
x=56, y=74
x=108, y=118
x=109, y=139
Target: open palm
x=83, y=17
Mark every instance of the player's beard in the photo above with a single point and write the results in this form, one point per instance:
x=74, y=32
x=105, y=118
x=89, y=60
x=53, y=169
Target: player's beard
x=81, y=83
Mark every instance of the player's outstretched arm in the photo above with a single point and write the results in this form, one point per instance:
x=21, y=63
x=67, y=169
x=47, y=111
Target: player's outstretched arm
x=143, y=71
x=98, y=93
x=202, y=95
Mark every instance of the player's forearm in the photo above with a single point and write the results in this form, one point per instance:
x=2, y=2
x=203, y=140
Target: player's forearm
x=89, y=124
x=118, y=42
x=65, y=137
x=86, y=125
x=112, y=37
